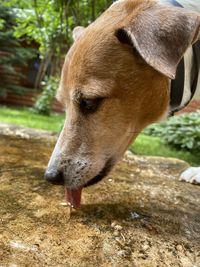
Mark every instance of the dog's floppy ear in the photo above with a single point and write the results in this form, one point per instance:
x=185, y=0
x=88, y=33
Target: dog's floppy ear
x=77, y=32
x=161, y=35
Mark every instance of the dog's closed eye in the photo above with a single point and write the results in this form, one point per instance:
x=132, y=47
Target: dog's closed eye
x=89, y=106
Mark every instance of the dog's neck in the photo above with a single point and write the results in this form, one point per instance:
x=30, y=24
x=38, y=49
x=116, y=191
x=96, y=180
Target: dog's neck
x=187, y=80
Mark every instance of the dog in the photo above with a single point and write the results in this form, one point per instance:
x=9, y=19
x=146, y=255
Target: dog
x=116, y=80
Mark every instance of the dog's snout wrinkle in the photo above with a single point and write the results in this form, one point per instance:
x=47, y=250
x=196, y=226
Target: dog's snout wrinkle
x=55, y=177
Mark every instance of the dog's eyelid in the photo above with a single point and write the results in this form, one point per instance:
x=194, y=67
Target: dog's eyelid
x=90, y=105
x=78, y=95
x=92, y=98
x=94, y=101
x=88, y=98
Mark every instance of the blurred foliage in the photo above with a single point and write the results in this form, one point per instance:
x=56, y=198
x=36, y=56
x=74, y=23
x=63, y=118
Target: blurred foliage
x=44, y=101
x=13, y=55
x=50, y=24
x=180, y=131
x=51, y=21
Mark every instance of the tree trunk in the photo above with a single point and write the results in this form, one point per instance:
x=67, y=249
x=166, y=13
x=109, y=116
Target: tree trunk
x=42, y=70
x=93, y=6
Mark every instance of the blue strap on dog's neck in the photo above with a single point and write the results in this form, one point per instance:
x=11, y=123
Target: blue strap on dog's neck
x=174, y=3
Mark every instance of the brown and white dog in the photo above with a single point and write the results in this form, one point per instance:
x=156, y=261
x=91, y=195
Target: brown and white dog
x=115, y=81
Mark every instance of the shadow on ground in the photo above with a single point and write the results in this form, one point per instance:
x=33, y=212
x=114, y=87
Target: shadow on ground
x=140, y=215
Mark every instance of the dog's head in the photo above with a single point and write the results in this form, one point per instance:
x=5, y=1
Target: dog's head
x=115, y=81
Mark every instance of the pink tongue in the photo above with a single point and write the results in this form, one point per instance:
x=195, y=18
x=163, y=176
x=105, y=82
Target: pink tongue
x=73, y=197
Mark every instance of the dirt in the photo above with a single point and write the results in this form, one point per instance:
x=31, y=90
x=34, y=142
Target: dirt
x=140, y=215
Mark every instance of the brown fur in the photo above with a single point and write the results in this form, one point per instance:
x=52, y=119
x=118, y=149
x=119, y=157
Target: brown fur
x=135, y=94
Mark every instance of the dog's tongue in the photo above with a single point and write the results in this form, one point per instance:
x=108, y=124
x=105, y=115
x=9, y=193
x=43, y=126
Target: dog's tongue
x=73, y=197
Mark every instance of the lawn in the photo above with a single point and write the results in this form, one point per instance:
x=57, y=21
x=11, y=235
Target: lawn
x=154, y=146
x=144, y=145
x=26, y=117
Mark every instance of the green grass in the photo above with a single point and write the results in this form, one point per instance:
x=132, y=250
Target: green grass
x=27, y=118
x=154, y=146
x=144, y=145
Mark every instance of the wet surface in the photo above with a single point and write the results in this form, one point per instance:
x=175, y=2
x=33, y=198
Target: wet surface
x=140, y=215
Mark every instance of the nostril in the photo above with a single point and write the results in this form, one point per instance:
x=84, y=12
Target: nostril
x=54, y=177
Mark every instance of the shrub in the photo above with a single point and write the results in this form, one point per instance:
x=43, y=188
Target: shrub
x=44, y=101
x=180, y=131
x=13, y=56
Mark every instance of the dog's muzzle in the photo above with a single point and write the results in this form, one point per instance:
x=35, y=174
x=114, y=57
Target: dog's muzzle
x=73, y=195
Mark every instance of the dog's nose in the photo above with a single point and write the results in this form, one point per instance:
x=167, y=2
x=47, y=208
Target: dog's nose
x=54, y=177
